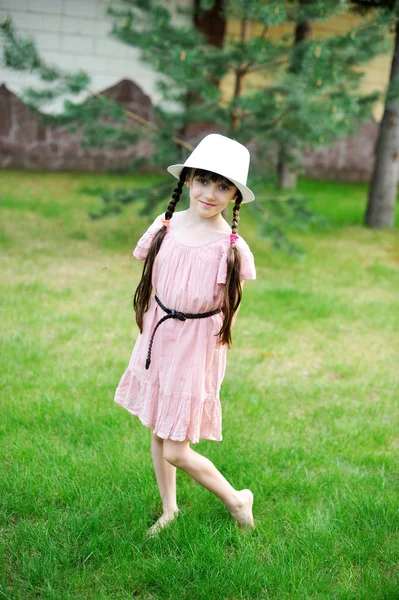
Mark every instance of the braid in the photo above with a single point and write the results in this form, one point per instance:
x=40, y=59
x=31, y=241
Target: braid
x=236, y=214
x=142, y=296
x=232, y=288
x=176, y=194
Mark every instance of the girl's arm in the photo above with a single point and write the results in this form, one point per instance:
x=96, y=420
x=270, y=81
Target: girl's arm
x=143, y=245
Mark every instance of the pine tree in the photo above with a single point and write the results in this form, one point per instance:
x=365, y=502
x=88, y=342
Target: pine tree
x=313, y=97
x=287, y=176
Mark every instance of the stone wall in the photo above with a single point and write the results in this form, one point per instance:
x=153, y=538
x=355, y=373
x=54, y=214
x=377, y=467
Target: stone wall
x=348, y=159
x=25, y=143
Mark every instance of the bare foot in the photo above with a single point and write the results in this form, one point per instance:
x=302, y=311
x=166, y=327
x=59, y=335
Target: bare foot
x=243, y=513
x=161, y=523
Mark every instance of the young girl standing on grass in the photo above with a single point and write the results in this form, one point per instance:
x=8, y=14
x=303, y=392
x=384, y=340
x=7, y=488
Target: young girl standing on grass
x=195, y=263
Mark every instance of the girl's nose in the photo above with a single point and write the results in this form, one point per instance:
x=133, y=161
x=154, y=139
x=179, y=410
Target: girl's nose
x=210, y=192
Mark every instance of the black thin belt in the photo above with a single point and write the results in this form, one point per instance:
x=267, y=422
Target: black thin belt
x=175, y=314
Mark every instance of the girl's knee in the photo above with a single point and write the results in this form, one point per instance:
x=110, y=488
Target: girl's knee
x=175, y=452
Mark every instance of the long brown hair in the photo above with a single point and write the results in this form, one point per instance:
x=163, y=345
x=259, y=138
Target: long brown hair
x=232, y=288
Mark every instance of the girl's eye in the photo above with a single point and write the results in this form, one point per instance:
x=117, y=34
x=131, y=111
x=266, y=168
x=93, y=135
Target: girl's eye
x=202, y=180
x=224, y=187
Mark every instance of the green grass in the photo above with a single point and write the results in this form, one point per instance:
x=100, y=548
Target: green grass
x=310, y=412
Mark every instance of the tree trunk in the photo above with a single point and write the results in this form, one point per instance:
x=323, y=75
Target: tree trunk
x=239, y=78
x=287, y=176
x=211, y=22
x=382, y=195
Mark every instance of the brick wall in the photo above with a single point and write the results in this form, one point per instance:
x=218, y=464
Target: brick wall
x=74, y=34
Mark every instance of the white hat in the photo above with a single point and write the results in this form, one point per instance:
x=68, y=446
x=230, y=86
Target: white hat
x=219, y=154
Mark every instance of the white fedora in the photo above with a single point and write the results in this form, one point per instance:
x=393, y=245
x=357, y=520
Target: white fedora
x=221, y=155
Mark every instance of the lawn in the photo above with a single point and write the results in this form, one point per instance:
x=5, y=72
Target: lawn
x=310, y=412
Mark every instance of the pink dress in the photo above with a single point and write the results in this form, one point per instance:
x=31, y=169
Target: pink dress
x=178, y=396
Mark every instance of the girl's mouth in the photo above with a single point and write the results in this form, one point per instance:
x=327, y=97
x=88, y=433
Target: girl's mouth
x=206, y=203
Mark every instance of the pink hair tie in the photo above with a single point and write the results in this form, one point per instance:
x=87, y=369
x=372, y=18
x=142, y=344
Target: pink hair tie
x=233, y=238
x=165, y=222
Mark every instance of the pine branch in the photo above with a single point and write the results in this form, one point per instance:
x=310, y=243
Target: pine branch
x=135, y=117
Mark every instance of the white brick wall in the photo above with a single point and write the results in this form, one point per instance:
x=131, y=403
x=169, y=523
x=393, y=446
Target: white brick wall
x=55, y=6
x=77, y=44
x=10, y=4
x=75, y=34
x=81, y=9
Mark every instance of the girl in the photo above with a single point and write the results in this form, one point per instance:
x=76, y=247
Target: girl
x=195, y=263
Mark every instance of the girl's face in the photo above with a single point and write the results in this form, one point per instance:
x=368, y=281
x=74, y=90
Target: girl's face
x=209, y=195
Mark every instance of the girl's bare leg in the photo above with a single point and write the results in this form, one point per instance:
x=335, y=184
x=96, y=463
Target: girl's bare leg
x=166, y=476
x=200, y=468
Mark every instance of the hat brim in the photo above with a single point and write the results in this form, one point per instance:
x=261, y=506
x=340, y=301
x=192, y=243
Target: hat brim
x=246, y=193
